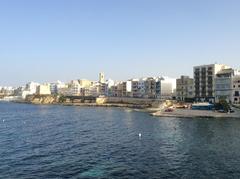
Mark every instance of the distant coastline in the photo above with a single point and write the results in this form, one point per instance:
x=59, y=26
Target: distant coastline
x=153, y=107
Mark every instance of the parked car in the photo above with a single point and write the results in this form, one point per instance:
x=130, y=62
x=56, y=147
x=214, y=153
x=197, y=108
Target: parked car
x=221, y=111
x=169, y=110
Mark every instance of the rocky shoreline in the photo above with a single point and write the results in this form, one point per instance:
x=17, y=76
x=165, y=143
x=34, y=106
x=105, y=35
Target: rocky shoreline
x=177, y=113
x=151, y=108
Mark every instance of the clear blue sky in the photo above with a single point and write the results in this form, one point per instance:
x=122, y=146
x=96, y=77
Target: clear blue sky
x=47, y=40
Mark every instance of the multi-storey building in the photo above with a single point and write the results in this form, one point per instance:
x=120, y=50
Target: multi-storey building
x=168, y=87
x=85, y=83
x=7, y=91
x=56, y=86
x=74, y=88
x=43, y=89
x=224, y=84
x=204, y=81
x=150, y=87
x=102, y=89
x=158, y=87
x=127, y=88
x=135, y=90
x=185, y=88
x=32, y=87
x=141, y=87
x=109, y=84
x=236, y=89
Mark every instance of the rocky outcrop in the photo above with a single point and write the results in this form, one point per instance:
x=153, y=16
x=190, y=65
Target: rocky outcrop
x=41, y=99
x=102, y=101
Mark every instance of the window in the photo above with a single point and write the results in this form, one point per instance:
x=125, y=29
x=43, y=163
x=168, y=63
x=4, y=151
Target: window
x=236, y=93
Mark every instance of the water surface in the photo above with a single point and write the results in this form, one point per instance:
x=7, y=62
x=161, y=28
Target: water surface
x=85, y=142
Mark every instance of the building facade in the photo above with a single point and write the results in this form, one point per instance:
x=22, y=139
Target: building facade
x=135, y=89
x=101, y=78
x=204, y=81
x=150, y=87
x=224, y=85
x=43, y=89
x=168, y=87
x=236, y=89
x=127, y=88
x=185, y=88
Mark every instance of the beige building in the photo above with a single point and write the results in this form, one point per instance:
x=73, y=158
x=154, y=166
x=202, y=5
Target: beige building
x=43, y=89
x=85, y=83
x=117, y=90
x=185, y=88
x=101, y=78
x=204, y=81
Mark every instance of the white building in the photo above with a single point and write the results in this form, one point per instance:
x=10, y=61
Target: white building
x=7, y=90
x=168, y=87
x=54, y=87
x=224, y=84
x=31, y=87
x=128, y=88
x=110, y=83
x=75, y=88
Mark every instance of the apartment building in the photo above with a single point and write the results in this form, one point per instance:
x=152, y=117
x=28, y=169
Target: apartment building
x=150, y=87
x=185, y=88
x=236, y=89
x=224, y=84
x=204, y=81
x=135, y=90
x=168, y=87
x=127, y=89
x=43, y=89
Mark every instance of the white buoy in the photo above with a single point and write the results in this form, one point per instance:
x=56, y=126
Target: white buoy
x=140, y=135
x=3, y=120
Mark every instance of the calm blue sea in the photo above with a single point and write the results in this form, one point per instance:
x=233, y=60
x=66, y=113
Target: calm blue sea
x=86, y=142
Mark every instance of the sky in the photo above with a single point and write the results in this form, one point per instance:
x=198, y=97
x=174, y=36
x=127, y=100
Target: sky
x=49, y=40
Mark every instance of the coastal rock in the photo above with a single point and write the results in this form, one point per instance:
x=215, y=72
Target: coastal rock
x=41, y=99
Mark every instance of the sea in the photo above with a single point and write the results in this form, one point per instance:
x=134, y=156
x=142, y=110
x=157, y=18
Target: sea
x=54, y=141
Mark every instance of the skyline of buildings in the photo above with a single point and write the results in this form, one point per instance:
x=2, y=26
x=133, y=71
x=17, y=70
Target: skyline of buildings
x=210, y=83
